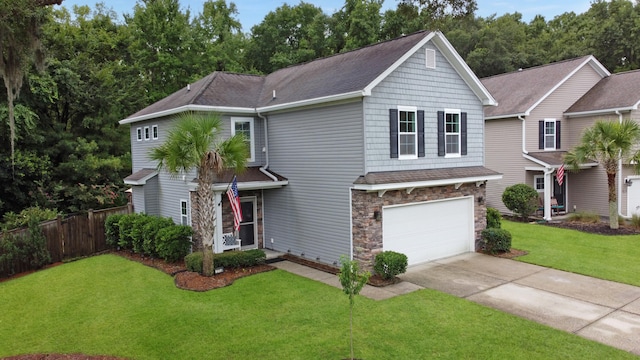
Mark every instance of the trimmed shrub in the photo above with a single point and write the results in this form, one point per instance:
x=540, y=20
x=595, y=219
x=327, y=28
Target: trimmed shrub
x=521, y=199
x=193, y=262
x=111, y=229
x=35, y=250
x=137, y=232
x=228, y=259
x=389, y=264
x=173, y=242
x=496, y=240
x=125, y=227
x=9, y=254
x=150, y=232
x=494, y=218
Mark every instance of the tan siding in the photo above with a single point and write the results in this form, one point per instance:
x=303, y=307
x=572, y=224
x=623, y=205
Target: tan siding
x=560, y=100
x=503, y=154
x=587, y=191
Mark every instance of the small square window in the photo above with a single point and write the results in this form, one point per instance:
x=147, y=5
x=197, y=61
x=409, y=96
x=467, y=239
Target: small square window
x=139, y=134
x=154, y=132
x=538, y=183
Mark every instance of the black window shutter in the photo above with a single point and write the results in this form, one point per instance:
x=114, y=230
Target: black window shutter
x=463, y=133
x=441, y=133
x=393, y=132
x=420, y=133
x=541, y=134
x=557, y=135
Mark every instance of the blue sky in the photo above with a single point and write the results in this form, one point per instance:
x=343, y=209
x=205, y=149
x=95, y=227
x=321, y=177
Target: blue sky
x=252, y=12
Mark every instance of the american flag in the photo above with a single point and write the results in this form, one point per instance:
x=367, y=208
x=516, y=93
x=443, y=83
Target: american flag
x=560, y=175
x=234, y=199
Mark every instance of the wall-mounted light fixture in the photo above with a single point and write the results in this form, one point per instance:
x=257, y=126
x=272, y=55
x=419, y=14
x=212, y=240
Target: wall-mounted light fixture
x=377, y=215
x=480, y=200
x=628, y=182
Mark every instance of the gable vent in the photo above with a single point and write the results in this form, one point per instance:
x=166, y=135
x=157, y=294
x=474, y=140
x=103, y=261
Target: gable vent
x=431, y=58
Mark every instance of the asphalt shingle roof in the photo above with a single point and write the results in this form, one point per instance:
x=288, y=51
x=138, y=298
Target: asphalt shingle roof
x=516, y=92
x=408, y=176
x=621, y=90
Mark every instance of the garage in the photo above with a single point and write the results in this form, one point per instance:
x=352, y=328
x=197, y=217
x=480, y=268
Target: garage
x=431, y=230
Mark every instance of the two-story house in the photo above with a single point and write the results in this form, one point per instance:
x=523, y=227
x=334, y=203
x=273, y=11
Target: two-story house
x=541, y=114
x=380, y=148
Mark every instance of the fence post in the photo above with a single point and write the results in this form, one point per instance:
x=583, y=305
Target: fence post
x=92, y=231
x=129, y=208
x=60, y=233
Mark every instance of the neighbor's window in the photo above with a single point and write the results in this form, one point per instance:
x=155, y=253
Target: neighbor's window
x=139, y=134
x=184, y=212
x=452, y=132
x=154, y=132
x=407, y=132
x=549, y=134
x=147, y=134
x=244, y=126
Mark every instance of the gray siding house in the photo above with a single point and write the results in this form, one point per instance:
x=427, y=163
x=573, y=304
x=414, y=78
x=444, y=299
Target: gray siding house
x=541, y=114
x=380, y=148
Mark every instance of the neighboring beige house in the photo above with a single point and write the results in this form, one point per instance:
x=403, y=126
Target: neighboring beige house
x=541, y=114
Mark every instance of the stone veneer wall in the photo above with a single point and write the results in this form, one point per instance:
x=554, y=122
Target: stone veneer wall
x=227, y=216
x=367, y=232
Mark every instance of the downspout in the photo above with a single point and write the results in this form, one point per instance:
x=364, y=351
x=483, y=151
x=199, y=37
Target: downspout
x=524, y=139
x=263, y=169
x=620, y=177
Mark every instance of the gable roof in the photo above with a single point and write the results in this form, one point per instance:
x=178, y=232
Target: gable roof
x=519, y=92
x=347, y=75
x=618, y=92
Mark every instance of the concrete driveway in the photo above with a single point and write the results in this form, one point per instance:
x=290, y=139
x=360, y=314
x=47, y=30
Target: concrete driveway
x=599, y=310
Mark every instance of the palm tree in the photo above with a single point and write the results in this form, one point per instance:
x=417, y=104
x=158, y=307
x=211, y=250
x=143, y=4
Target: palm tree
x=194, y=142
x=607, y=142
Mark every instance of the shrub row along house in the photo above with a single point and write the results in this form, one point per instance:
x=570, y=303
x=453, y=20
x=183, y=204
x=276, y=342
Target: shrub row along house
x=542, y=113
x=380, y=148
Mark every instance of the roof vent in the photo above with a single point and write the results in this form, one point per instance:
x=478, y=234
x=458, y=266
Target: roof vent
x=274, y=94
x=188, y=87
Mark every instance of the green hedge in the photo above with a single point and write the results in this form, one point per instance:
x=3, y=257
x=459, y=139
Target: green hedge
x=229, y=259
x=496, y=240
x=173, y=242
x=389, y=264
x=150, y=233
x=112, y=230
x=29, y=248
x=494, y=218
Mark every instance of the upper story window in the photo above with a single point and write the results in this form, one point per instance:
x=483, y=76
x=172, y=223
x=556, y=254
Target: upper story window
x=452, y=133
x=147, y=134
x=407, y=132
x=154, y=132
x=549, y=134
x=245, y=126
x=139, y=134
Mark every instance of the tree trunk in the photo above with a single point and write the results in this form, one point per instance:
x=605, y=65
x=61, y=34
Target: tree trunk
x=613, y=201
x=206, y=223
x=207, y=261
x=12, y=125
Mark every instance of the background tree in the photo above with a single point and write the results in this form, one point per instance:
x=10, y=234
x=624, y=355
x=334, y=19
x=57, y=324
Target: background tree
x=356, y=25
x=194, y=142
x=20, y=23
x=607, y=143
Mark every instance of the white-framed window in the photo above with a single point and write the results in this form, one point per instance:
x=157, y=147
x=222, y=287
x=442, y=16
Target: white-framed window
x=407, y=132
x=452, y=132
x=154, y=132
x=538, y=183
x=550, y=134
x=147, y=133
x=139, y=134
x=184, y=212
x=244, y=125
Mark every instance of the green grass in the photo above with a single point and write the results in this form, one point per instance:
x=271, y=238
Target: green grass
x=613, y=258
x=109, y=305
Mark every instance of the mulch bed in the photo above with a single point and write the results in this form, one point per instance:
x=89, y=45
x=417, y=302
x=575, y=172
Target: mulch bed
x=601, y=228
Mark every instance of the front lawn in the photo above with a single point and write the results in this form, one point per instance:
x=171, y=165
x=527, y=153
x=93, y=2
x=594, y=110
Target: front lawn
x=606, y=257
x=109, y=305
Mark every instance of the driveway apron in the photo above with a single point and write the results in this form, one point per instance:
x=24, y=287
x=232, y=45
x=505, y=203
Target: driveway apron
x=599, y=310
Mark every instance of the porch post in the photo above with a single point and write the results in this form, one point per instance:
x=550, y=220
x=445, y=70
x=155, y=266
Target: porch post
x=547, y=194
x=217, y=234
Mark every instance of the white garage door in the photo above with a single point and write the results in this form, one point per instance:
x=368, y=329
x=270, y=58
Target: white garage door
x=430, y=230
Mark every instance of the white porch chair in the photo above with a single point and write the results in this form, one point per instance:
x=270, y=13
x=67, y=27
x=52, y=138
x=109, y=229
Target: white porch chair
x=230, y=242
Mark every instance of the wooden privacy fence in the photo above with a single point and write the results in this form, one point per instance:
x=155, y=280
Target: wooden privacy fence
x=73, y=236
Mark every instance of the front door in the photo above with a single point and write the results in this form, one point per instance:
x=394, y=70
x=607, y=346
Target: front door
x=248, y=225
x=560, y=191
